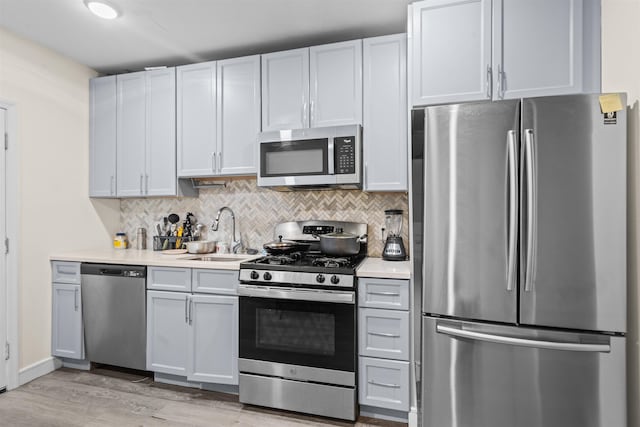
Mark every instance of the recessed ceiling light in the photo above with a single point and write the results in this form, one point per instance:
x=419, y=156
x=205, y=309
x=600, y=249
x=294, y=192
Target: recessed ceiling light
x=102, y=9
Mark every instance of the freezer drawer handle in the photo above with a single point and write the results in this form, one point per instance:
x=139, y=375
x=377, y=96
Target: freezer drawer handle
x=388, y=385
x=549, y=345
x=384, y=293
x=384, y=334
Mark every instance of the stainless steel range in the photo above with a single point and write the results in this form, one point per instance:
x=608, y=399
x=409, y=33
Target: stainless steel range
x=298, y=325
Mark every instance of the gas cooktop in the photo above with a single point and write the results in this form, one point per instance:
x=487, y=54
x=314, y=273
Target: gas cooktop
x=306, y=262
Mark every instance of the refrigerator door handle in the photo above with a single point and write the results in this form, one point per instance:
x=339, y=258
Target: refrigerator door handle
x=512, y=214
x=522, y=342
x=531, y=177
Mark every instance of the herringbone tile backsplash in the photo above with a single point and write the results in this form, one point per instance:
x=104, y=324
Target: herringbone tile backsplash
x=258, y=210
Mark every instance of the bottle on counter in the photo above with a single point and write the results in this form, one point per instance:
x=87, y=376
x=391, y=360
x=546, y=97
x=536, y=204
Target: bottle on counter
x=121, y=241
x=141, y=238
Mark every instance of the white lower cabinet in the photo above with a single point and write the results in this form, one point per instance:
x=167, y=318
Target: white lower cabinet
x=213, y=339
x=193, y=335
x=66, y=332
x=66, y=311
x=167, y=328
x=383, y=343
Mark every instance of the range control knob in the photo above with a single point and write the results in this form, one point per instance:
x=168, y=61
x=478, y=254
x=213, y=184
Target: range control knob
x=335, y=279
x=254, y=275
x=266, y=276
x=320, y=278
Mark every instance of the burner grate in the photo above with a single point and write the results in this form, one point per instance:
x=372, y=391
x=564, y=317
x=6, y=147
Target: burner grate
x=282, y=259
x=331, y=262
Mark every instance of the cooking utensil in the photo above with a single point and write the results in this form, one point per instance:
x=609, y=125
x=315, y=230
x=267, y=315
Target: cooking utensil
x=173, y=218
x=201, y=246
x=159, y=230
x=285, y=246
x=340, y=243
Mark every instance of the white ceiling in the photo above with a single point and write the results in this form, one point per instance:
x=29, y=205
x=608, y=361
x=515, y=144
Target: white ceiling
x=174, y=32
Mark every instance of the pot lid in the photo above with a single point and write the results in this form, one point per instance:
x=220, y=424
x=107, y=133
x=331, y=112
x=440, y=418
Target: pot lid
x=339, y=234
x=393, y=212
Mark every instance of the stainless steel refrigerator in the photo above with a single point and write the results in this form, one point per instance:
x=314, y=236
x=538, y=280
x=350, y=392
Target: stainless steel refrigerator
x=523, y=267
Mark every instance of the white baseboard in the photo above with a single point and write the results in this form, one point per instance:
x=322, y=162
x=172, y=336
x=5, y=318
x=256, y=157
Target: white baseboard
x=38, y=369
x=413, y=417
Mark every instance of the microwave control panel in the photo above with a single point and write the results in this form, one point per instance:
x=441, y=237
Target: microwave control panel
x=345, y=154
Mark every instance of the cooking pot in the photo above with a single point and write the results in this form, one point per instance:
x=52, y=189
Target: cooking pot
x=340, y=243
x=280, y=246
x=201, y=246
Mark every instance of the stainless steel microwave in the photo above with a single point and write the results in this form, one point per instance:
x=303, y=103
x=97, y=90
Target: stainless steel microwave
x=311, y=158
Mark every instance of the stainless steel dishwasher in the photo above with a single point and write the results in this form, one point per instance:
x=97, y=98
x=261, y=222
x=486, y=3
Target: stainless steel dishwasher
x=114, y=314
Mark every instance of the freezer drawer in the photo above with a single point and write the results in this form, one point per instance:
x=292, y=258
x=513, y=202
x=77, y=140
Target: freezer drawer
x=481, y=375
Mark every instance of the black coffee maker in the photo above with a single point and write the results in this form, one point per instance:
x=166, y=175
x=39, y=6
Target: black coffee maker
x=393, y=246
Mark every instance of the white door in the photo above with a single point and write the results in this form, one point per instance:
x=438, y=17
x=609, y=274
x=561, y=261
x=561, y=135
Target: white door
x=167, y=316
x=451, y=51
x=537, y=48
x=102, y=140
x=335, y=84
x=285, y=90
x=3, y=263
x=238, y=115
x=131, y=134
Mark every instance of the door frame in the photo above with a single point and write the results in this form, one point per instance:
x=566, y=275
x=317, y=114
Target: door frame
x=12, y=226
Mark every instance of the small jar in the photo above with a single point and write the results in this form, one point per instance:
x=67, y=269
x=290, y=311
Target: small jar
x=120, y=241
x=222, y=248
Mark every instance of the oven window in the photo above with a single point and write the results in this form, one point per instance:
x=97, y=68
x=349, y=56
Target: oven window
x=317, y=334
x=302, y=332
x=294, y=158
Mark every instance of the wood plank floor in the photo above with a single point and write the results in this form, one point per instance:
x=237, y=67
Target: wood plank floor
x=105, y=397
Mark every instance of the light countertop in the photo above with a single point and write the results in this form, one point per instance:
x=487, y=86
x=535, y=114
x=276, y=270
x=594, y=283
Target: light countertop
x=153, y=258
x=377, y=267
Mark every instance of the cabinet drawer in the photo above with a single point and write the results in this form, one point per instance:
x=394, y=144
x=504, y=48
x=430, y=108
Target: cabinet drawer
x=384, y=383
x=66, y=272
x=383, y=293
x=383, y=333
x=215, y=281
x=169, y=279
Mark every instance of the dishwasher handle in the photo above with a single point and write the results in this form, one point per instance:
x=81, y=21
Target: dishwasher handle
x=133, y=271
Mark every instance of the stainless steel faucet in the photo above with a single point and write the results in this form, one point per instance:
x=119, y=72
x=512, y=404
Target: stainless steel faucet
x=236, y=245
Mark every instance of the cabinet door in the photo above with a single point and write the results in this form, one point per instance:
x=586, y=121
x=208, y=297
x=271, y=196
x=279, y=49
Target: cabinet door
x=167, y=331
x=336, y=84
x=160, y=174
x=102, y=143
x=238, y=115
x=385, y=113
x=451, y=51
x=285, y=90
x=529, y=61
x=131, y=134
x=196, y=112
x=213, y=339
x=66, y=333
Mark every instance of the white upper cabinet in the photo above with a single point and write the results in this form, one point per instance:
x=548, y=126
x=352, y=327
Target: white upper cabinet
x=335, y=84
x=478, y=49
x=196, y=113
x=385, y=113
x=451, y=56
x=160, y=174
x=146, y=134
x=131, y=134
x=102, y=143
x=218, y=117
x=312, y=87
x=537, y=47
x=238, y=115
x=285, y=90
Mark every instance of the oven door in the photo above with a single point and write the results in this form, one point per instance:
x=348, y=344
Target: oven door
x=309, y=331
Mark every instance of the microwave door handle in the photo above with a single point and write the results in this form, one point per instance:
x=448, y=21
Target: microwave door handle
x=330, y=163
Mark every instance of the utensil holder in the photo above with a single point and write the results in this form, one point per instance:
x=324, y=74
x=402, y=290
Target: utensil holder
x=161, y=243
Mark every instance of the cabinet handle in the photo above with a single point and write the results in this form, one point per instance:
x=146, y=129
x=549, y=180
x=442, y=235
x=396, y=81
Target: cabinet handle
x=304, y=114
x=213, y=162
x=488, y=82
x=186, y=310
x=220, y=161
x=190, y=310
x=111, y=185
x=384, y=293
x=146, y=190
x=312, y=111
x=364, y=178
x=500, y=82
x=141, y=179
x=384, y=334
x=75, y=299
x=388, y=385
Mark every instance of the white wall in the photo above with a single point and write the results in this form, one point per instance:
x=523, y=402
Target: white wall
x=621, y=73
x=51, y=97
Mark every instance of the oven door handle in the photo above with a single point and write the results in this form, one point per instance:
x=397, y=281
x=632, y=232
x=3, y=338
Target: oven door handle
x=296, y=294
